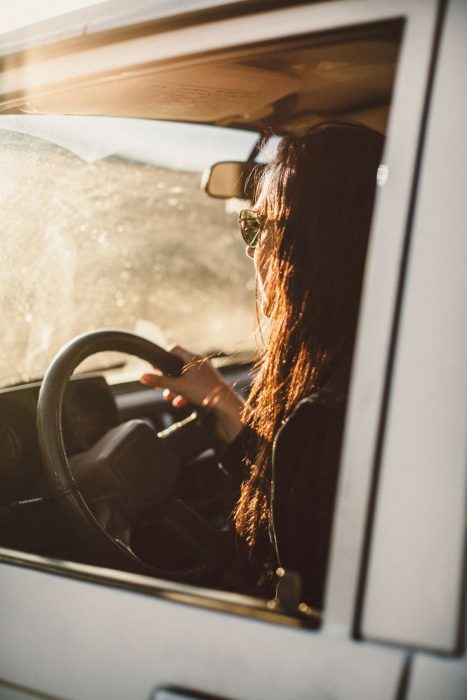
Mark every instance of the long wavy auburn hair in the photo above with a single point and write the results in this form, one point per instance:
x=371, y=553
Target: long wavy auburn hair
x=319, y=189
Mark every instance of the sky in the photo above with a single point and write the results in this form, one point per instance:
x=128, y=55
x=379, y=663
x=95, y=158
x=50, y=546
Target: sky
x=19, y=13
x=170, y=145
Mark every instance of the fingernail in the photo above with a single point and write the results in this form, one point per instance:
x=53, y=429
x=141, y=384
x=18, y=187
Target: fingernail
x=146, y=379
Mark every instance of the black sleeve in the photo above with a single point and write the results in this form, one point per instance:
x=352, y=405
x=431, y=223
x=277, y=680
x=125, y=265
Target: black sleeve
x=233, y=459
x=307, y=476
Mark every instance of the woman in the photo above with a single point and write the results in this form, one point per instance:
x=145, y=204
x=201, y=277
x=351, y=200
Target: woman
x=307, y=236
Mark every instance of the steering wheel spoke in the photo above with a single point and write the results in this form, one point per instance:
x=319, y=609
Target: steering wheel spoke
x=112, y=516
x=131, y=462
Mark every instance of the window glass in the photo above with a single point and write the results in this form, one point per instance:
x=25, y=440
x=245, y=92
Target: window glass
x=104, y=224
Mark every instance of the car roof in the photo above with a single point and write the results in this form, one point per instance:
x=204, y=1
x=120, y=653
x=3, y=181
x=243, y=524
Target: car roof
x=343, y=74
x=120, y=14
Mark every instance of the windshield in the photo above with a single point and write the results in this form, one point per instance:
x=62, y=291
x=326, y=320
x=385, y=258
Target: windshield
x=104, y=224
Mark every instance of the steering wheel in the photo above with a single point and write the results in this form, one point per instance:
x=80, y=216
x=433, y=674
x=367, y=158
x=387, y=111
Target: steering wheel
x=130, y=471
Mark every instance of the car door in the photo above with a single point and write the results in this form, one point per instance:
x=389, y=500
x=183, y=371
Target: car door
x=76, y=631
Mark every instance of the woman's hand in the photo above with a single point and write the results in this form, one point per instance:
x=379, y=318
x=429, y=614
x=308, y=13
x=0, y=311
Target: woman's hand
x=202, y=385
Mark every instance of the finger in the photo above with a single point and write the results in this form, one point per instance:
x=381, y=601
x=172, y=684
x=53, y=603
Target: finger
x=168, y=395
x=179, y=401
x=148, y=379
x=156, y=381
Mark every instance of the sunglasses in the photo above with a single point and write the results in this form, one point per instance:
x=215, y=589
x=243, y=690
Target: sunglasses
x=252, y=225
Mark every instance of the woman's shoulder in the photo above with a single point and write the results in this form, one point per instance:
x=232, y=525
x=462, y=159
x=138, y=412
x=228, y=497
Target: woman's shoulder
x=312, y=433
x=325, y=402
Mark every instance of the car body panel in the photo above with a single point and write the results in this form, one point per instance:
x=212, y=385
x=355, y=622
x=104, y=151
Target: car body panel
x=377, y=316
x=423, y=478
x=103, y=642
x=433, y=678
x=70, y=631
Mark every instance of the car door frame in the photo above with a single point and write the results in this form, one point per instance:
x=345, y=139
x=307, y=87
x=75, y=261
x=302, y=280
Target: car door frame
x=74, y=631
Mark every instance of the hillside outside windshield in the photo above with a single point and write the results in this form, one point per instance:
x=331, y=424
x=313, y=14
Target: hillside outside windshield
x=104, y=225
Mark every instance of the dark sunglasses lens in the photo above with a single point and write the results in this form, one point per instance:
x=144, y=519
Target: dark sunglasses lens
x=249, y=227
x=250, y=233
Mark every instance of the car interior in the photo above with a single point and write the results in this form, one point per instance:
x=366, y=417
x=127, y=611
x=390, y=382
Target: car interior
x=123, y=245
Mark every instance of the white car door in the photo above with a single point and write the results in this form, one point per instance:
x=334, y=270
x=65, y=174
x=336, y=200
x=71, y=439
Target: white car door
x=74, y=631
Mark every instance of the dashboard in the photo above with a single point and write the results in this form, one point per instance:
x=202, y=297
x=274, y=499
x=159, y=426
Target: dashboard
x=89, y=410
x=31, y=514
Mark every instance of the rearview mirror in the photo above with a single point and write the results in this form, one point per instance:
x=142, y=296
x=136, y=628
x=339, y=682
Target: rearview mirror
x=231, y=179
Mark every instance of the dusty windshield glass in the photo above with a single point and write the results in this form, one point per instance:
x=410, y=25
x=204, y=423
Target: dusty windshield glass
x=104, y=224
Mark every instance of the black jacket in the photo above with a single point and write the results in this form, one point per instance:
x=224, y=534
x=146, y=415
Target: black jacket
x=305, y=462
